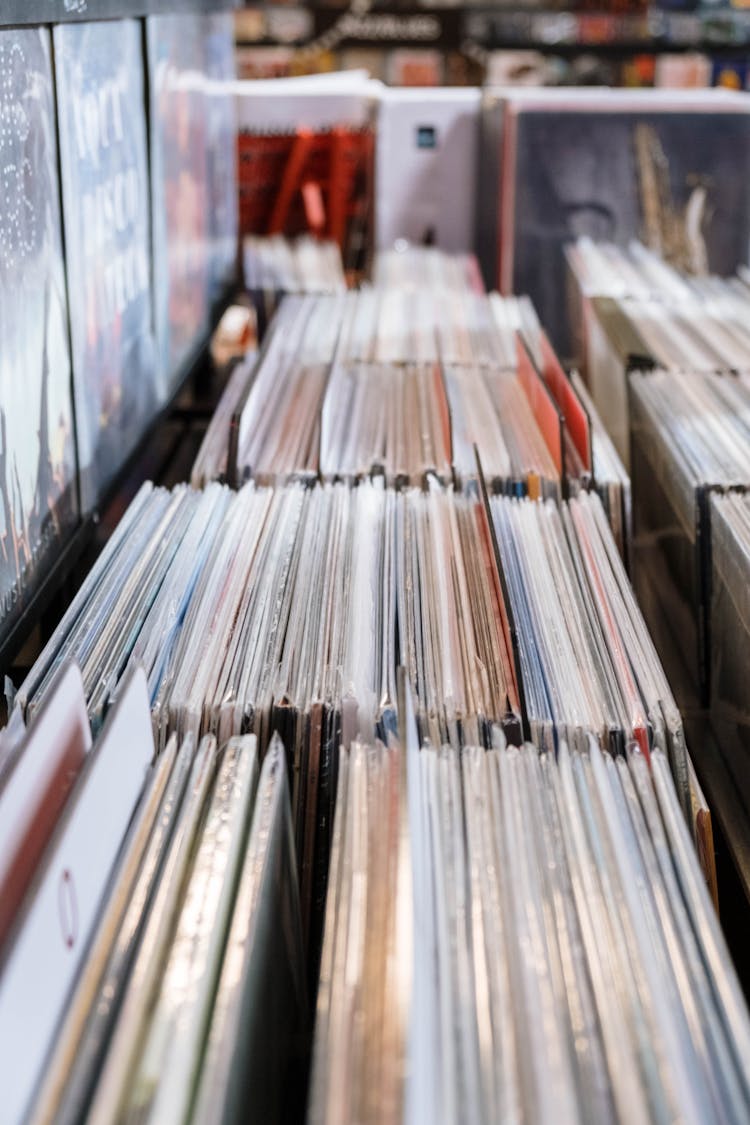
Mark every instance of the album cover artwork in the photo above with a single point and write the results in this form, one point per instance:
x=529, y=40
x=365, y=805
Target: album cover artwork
x=102, y=122
x=222, y=151
x=38, y=504
x=180, y=194
x=673, y=179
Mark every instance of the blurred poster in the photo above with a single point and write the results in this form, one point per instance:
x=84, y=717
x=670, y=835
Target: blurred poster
x=37, y=450
x=102, y=120
x=180, y=195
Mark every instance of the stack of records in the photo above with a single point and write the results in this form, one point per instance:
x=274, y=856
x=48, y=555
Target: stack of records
x=403, y=383
x=491, y=413
x=453, y=623
x=426, y=267
x=363, y=992
x=410, y=325
x=603, y=269
x=611, y=479
x=276, y=265
x=508, y=932
x=275, y=428
x=690, y=437
x=588, y=665
x=689, y=337
x=633, y=311
x=131, y=607
x=211, y=461
x=198, y=927
x=730, y=629
x=250, y=612
x=543, y=927
x=298, y=635
x=513, y=315
x=385, y=418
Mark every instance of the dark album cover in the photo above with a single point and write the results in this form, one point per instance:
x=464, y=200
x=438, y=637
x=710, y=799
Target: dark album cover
x=674, y=179
x=179, y=186
x=37, y=440
x=102, y=120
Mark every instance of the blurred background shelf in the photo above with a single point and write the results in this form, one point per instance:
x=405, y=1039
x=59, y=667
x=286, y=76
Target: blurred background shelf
x=18, y=12
x=495, y=28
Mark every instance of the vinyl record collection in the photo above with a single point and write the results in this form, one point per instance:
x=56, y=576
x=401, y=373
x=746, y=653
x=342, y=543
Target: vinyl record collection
x=326, y=676
x=423, y=267
x=277, y=265
x=729, y=516
x=668, y=354
x=610, y=476
x=406, y=381
x=520, y=936
x=691, y=434
x=589, y=666
x=166, y=956
x=211, y=460
x=667, y=357
x=634, y=311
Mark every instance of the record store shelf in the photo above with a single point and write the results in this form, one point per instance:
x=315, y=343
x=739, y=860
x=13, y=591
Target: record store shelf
x=494, y=28
x=25, y=12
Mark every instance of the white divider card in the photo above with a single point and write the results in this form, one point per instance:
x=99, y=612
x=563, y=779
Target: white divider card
x=33, y=794
x=37, y=451
x=64, y=902
x=103, y=156
x=179, y=186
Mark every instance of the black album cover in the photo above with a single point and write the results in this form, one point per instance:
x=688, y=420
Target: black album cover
x=103, y=156
x=674, y=178
x=37, y=440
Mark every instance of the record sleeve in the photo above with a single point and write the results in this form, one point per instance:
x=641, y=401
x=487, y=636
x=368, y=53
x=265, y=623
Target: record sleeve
x=616, y=165
x=103, y=158
x=222, y=152
x=38, y=505
x=180, y=193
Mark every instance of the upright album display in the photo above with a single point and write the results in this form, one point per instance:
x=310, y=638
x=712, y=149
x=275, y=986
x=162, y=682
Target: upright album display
x=90, y=349
x=38, y=505
x=102, y=120
x=193, y=217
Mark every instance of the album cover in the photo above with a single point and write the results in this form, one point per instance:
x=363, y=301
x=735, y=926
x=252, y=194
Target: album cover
x=180, y=195
x=669, y=170
x=38, y=505
x=222, y=152
x=102, y=119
